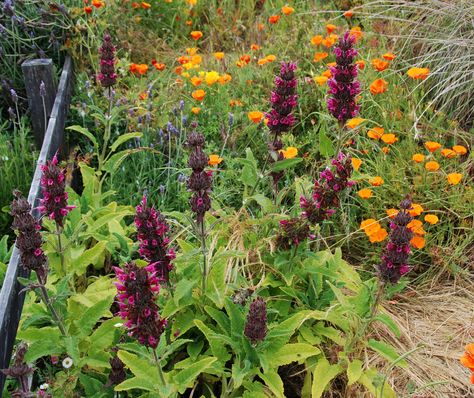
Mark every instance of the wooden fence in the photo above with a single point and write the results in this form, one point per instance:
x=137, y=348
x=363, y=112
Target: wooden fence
x=46, y=102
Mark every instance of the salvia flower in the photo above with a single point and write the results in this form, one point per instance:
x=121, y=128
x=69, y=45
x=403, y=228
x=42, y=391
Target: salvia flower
x=325, y=198
x=117, y=374
x=53, y=183
x=394, y=262
x=137, y=290
x=256, y=326
x=29, y=239
x=107, y=75
x=199, y=183
x=152, y=233
x=343, y=86
x=292, y=232
x=21, y=371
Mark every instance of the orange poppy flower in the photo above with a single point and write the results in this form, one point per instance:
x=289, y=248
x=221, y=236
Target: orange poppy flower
x=467, y=360
x=255, y=47
x=88, y=10
x=290, y=152
x=418, y=242
x=354, y=122
x=273, y=19
x=389, y=56
x=385, y=149
x=356, y=31
x=225, y=78
x=140, y=69
x=189, y=22
x=418, y=73
x=198, y=95
x=255, y=116
x=320, y=56
x=97, y=3
x=448, y=153
x=459, y=149
x=135, y=5
x=159, y=66
x=196, y=34
x=214, y=160
x=331, y=64
x=361, y=64
x=416, y=227
x=234, y=102
x=262, y=61
x=195, y=110
x=454, y=178
x=317, y=40
x=196, y=81
x=365, y=193
x=260, y=26
x=379, y=65
x=330, y=28
x=287, y=10
x=328, y=41
x=376, y=132
x=418, y=157
x=379, y=86
x=389, y=138
x=321, y=80
x=218, y=55
x=356, y=163
x=416, y=210
x=376, y=181
x=145, y=5
x=370, y=226
x=327, y=73
x=432, y=165
x=431, y=219
x=378, y=236
x=391, y=213
x=432, y=146
x=348, y=14
x=271, y=58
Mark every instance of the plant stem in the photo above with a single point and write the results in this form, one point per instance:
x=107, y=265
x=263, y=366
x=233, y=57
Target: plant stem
x=60, y=248
x=160, y=371
x=202, y=235
x=54, y=314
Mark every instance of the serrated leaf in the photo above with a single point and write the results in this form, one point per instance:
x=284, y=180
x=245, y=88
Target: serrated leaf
x=81, y=261
x=186, y=377
x=141, y=368
x=294, y=352
x=274, y=383
x=93, y=314
x=322, y=376
x=387, y=351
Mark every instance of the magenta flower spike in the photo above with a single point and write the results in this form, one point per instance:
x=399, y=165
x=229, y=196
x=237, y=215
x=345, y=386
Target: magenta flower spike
x=107, y=75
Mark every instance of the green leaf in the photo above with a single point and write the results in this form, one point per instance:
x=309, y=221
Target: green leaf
x=114, y=162
x=81, y=261
x=354, y=371
x=42, y=348
x=237, y=319
x=322, y=376
x=265, y=203
x=326, y=148
x=216, y=285
x=285, y=164
x=135, y=383
x=274, y=383
x=217, y=341
x=294, y=352
x=141, y=368
x=186, y=377
x=93, y=314
x=85, y=132
x=388, y=321
x=124, y=138
x=387, y=351
x=249, y=171
x=278, y=336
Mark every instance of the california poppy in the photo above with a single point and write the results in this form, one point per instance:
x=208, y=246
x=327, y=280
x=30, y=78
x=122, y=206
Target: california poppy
x=214, y=160
x=196, y=34
x=376, y=132
x=376, y=181
x=379, y=86
x=255, y=116
x=354, y=122
x=431, y=219
x=454, y=178
x=432, y=165
x=320, y=56
x=365, y=193
x=432, y=146
x=198, y=95
x=379, y=65
x=356, y=163
x=418, y=73
x=273, y=19
x=287, y=10
x=218, y=55
x=418, y=157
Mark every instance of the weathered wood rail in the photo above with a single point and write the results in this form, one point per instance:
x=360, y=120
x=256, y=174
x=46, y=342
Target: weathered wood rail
x=11, y=300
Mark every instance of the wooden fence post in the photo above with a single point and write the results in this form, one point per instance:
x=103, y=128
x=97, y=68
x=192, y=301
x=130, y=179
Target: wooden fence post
x=11, y=300
x=36, y=72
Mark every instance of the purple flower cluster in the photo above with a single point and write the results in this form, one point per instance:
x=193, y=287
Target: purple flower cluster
x=292, y=232
x=152, y=230
x=256, y=326
x=29, y=240
x=343, y=87
x=395, y=256
x=326, y=191
x=53, y=182
x=107, y=75
x=200, y=182
x=137, y=289
x=21, y=371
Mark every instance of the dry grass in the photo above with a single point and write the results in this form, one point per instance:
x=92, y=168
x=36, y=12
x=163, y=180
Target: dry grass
x=439, y=321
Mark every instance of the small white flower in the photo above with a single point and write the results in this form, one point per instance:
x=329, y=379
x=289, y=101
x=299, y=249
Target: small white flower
x=44, y=386
x=67, y=363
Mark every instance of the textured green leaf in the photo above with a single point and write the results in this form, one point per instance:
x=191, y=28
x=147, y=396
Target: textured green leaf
x=135, y=383
x=387, y=351
x=354, y=371
x=322, y=376
x=80, y=262
x=274, y=383
x=86, y=133
x=141, y=368
x=124, y=138
x=285, y=164
x=186, y=377
x=293, y=352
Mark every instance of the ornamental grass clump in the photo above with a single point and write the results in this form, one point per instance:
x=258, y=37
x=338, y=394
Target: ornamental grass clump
x=152, y=230
x=343, y=86
x=280, y=119
x=137, y=292
x=256, y=325
x=394, y=262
